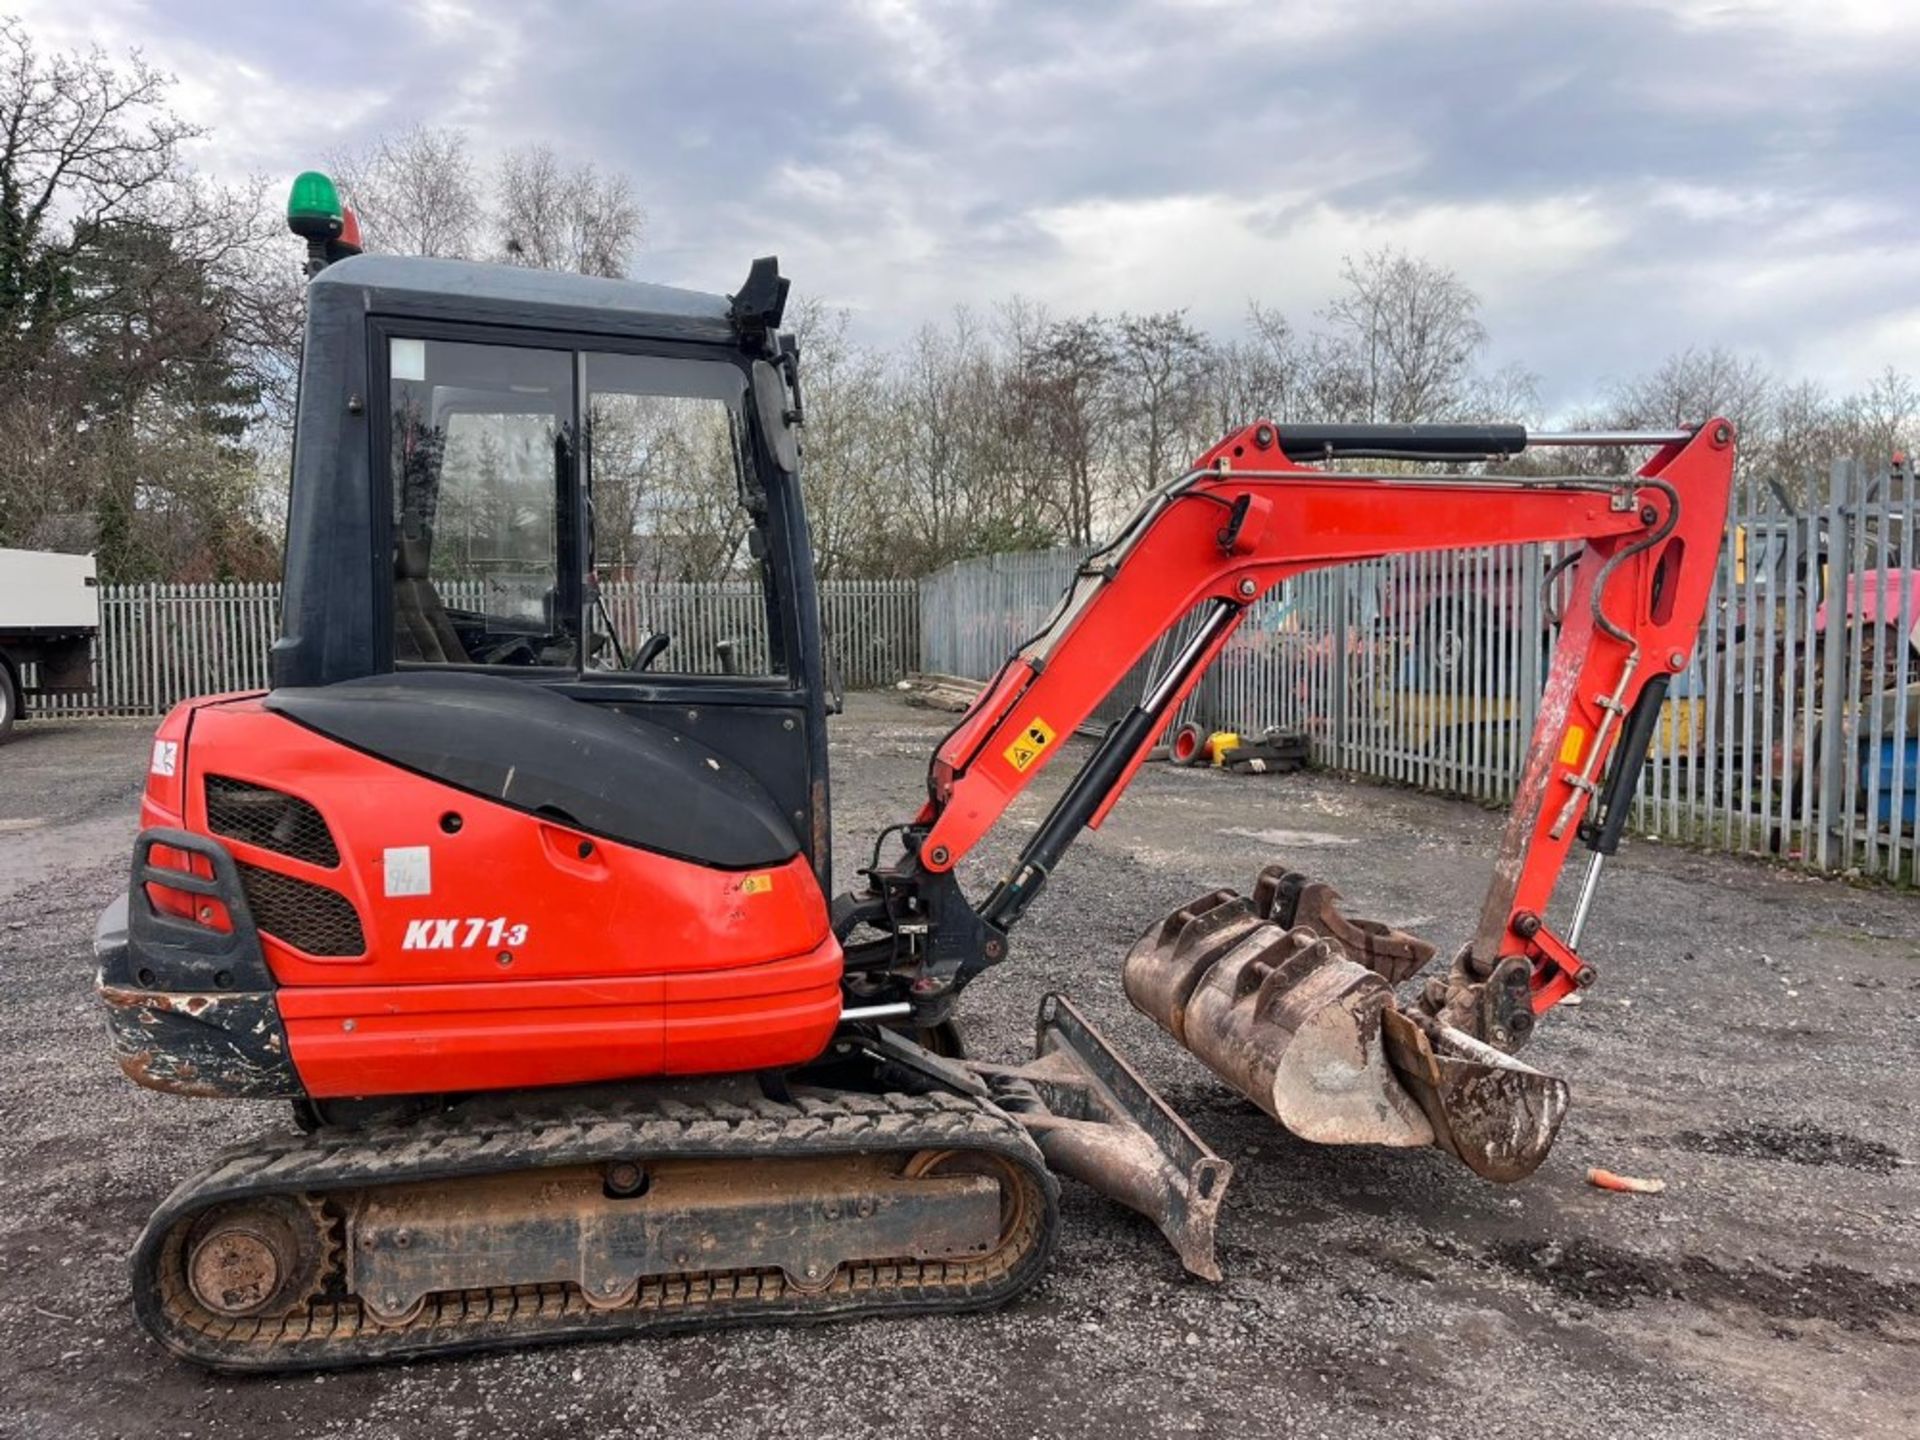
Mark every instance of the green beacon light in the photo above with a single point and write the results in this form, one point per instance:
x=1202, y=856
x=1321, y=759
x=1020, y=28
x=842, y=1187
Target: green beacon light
x=314, y=211
x=315, y=214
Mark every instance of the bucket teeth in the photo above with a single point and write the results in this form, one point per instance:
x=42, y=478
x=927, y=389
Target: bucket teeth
x=1290, y=1001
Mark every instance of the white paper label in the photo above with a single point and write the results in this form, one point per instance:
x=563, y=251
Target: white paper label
x=409, y=870
x=166, y=756
x=407, y=359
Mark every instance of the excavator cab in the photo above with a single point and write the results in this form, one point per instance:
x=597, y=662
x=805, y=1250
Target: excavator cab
x=551, y=838
x=492, y=462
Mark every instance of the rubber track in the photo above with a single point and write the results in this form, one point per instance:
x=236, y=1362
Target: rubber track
x=335, y=1331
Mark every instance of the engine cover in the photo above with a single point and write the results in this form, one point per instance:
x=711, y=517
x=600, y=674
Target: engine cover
x=418, y=936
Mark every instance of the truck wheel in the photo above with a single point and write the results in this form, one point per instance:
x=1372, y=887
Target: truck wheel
x=9, y=701
x=1443, y=642
x=1187, y=745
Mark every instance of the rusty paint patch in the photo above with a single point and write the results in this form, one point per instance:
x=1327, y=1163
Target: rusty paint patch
x=194, y=1004
x=820, y=823
x=228, y=1045
x=163, y=1072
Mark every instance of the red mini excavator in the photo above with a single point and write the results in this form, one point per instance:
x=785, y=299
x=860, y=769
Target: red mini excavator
x=523, y=902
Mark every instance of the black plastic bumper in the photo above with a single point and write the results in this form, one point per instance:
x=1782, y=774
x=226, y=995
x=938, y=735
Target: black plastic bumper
x=191, y=1009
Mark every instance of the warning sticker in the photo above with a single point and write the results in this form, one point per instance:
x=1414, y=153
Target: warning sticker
x=756, y=885
x=1571, y=744
x=1030, y=744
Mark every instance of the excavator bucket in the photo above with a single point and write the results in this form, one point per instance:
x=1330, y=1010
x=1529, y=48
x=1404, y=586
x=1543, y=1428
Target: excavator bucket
x=1495, y=1113
x=1290, y=1001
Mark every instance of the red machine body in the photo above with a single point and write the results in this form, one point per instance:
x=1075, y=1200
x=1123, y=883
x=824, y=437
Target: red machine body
x=539, y=955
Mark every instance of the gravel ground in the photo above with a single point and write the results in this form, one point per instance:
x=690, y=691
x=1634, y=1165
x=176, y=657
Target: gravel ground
x=1753, y=1041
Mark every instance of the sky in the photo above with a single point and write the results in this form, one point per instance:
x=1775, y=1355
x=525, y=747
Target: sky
x=1617, y=179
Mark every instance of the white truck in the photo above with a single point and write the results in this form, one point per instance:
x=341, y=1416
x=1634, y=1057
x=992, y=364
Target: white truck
x=49, y=614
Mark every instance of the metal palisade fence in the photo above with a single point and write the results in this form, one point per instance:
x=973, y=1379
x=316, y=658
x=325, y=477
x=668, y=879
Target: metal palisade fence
x=1793, y=732
x=159, y=644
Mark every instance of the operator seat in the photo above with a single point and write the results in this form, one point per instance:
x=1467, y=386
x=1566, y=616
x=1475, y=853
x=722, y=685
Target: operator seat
x=421, y=629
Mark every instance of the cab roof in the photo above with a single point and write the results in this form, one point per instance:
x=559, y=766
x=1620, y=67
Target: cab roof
x=411, y=285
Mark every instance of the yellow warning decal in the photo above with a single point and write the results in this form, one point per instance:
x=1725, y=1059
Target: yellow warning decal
x=1030, y=744
x=1571, y=744
x=756, y=885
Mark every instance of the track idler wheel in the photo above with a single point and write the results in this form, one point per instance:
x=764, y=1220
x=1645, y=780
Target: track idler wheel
x=257, y=1258
x=1017, y=1199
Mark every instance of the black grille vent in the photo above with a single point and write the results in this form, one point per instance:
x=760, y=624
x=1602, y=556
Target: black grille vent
x=306, y=916
x=284, y=824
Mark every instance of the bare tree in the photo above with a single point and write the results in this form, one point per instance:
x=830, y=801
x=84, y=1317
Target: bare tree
x=1160, y=366
x=1404, y=336
x=1069, y=374
x=420, y=192
x=1880, y=421
x=1510, y=393
x=1691, y=385
x=927, y=459
x=1685, y=388
x=552, y=216
x=84, y=143
x=1806, y=428
x=844, y=445
x=1807, y=431
x=1256, y=376
x=416, y=193
x=665, y=488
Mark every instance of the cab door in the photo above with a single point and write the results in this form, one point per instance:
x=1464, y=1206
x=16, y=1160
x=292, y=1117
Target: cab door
x=612, y=521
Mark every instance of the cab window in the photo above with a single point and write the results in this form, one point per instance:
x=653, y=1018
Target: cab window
x=677, y=547
x=482, y=471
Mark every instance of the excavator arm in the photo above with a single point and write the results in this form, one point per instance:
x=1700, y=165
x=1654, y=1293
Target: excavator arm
x=1281, y=993
x=1249, y=516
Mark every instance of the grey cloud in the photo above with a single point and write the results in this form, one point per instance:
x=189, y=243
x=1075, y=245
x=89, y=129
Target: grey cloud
x=959, y=128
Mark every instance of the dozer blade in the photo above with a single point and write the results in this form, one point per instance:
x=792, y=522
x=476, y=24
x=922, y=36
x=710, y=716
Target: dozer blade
x=1095, y=1119
x=1289, y=1001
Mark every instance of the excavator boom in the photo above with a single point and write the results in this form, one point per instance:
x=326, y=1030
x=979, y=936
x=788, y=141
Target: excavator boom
x=1282, y=994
